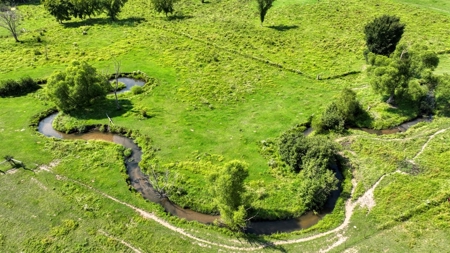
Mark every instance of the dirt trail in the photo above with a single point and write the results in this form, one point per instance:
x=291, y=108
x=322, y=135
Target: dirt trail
x=426, y=143
x=121, y=241
x=367, y=199
x=349, y=208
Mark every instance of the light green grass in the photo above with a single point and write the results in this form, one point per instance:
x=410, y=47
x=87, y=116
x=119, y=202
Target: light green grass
x=216, y=94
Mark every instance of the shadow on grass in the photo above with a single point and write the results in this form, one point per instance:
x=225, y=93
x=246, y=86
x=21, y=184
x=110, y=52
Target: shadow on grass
x=405, y=107
x=179, y=17
x=131, y=21
x=259, y=241
x=283, y=28
x=103, y=107
x=363, y=119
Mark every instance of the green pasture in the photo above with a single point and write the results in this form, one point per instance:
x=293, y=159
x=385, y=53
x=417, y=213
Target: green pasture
x=225, y=85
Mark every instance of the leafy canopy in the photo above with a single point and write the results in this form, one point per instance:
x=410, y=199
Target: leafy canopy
x=383, y=34
x=295, y=149
x=229, y=194
x=339, y=113
x=76, y=87
x=165, y=6
x=407, y=71
x=263, y=8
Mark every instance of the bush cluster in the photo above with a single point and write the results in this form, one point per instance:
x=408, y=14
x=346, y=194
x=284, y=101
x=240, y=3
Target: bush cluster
x=295, y=149
x=18, y=88
x=340, y=113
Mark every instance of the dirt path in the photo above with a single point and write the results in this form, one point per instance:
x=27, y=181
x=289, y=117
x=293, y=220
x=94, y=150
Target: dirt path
x=121, y=241
x=349, y=209
x=426, y=143
x=367, y=200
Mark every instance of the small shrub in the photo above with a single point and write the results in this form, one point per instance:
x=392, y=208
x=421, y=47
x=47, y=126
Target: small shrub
x=137, y=90
x=18, y=88
x=127, y=152
x=331, y=119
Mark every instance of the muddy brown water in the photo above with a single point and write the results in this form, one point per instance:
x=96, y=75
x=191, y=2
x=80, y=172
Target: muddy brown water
x=129, y=82
x=140, y=182
x=401, y=128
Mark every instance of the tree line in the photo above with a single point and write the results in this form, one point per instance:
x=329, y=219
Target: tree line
x=64, y=10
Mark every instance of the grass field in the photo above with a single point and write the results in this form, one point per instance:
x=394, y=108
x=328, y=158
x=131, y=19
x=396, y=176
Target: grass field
x=224, y=85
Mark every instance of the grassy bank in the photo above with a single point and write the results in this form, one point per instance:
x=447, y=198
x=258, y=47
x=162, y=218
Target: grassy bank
x=225, y=85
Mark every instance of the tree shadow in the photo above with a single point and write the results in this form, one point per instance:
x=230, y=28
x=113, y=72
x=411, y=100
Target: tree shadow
x=363, y=119
x=130, y=22
x=103, y=107
x=180, y=17
x=260, y=241
x=283, y=28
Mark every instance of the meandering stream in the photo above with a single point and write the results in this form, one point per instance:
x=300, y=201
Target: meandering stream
x=140, y=182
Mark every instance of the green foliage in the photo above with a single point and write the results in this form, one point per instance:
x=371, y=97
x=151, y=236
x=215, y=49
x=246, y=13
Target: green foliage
x=263, y=8
x=113, y=7
x=60, y=9
x=165, y=6
x=348, y=105
x=76, y=87
x=295, y=149
x=331, y=119
x=317, y=181
x=406, y=72
x=18, y=88
x=63, y=10
x=340, y=113
x=137, y=90
x=383, y=34
x=228, y=190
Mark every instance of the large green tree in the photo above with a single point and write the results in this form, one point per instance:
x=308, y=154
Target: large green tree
x=407, y=71
x=317, y=182
x=165, y=6
x=383, y=34
x=76, y=87
x=229, y=194
x=60, y=9
x=263, y=8
x=113, y=7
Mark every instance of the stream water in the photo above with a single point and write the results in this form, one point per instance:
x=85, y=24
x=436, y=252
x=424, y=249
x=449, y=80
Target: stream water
x=140, y=182
x=129, y=82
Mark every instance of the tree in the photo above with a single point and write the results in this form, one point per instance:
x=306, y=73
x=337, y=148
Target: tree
x=76, y=87
x=263, y=8
x=83, y=8
x=165, y=6
x=317, y=181
x=340, y=113
x=10, y=20
x=408, y=69
x=228, y=190
x=113, y=7
x=383, y=34
x=295, y=148
x=348, y=105
x=60, y=9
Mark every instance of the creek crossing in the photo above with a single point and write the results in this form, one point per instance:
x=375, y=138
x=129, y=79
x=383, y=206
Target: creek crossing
x=140, y=183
